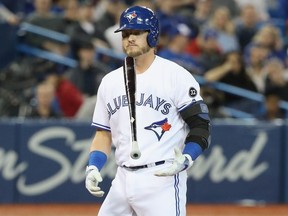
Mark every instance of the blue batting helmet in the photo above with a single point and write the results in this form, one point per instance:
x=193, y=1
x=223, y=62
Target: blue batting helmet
x=141, y=18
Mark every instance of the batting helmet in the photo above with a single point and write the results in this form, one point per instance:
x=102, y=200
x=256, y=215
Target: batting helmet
x=141, y=18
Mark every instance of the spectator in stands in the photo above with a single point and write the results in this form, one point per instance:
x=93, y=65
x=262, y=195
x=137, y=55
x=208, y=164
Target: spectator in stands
x=89, y=73
x=68, y=96
x=115, y=40
x=201, y=17
x=255, y=66
x=43, y=17
x=44, y=96
x=269, y=37
x=145, y=3
x=42, y=8
x=184, y=9
x=210, y=54
x=110, y=17
x=58, y=6
x=179, y=37
x=8, y=16
x=70, y=16
x=247, y=24
x=232, y=72
x=221, y=23
x=19, y=8
x=86, y=30
x=260, y=5
x=272, y=111
x=214, y=100
x=170, y=13
x=202, y=12
x=230, y=4
x=277, y=78
x=170, y=6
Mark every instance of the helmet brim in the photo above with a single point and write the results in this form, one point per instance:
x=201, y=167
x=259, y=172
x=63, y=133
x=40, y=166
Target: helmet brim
x=139, y=27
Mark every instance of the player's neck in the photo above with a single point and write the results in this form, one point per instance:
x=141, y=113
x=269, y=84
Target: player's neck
x=143, y=62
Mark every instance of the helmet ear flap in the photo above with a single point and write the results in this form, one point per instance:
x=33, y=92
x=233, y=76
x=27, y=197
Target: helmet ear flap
x=154, y=32
x=151, y=39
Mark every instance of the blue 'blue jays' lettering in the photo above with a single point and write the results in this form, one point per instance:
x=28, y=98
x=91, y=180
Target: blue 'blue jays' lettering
x=149, y=101
x=155, y=103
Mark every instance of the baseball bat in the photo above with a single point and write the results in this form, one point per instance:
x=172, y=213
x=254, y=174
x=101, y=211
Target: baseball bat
x=130, y=87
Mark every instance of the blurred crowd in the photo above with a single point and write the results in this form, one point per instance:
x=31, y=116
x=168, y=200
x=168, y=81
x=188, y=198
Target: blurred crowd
x=242, y=43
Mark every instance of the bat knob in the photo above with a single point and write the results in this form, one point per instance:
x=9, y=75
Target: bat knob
x=135, y=152
x=135, y=155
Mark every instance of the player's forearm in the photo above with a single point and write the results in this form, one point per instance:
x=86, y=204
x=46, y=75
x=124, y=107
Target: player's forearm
x=102, y=142
x=99, y=150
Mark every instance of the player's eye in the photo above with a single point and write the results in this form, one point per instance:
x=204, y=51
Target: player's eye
x=126, y=34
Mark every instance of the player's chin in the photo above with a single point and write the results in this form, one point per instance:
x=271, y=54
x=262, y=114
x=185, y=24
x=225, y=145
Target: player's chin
x=133, y=53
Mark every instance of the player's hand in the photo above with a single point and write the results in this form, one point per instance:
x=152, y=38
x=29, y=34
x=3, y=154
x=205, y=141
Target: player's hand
x=181, y=162
x=93, y=177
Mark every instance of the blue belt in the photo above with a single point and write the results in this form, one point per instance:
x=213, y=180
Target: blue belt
x=134, y=168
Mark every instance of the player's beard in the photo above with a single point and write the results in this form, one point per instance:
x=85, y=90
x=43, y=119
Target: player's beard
x=136, y=52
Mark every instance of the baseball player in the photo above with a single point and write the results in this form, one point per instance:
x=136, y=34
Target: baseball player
x=173, y=127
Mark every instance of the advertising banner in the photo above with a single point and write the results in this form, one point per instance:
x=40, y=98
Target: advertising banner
x=285, y=163
x=44, y=162
x=55, y=154
x=9, y=161
x=243, y=165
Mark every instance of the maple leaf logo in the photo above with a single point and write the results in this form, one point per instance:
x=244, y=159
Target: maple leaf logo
x=166, y=126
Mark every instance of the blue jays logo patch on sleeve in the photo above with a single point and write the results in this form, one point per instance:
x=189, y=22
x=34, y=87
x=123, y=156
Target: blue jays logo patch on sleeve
x=192, y=92
x=131, y=16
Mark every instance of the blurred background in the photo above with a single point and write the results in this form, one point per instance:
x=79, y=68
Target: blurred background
x=54, y=53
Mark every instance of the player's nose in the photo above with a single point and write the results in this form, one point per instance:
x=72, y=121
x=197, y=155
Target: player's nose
x=131, y=38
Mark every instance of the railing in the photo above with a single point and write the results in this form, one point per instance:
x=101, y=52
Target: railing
x=24, y=48
x=25, y=27
x=237, y=91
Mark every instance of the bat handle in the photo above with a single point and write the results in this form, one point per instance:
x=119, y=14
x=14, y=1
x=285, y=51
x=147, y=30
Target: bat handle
x=135, y=152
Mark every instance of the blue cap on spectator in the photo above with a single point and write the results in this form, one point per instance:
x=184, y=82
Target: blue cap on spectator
x=180, y=29
x=165, y=26
x=210, y=33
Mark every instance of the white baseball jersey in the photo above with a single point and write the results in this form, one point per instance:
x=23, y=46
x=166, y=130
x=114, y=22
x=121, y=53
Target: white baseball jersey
x=163, y=90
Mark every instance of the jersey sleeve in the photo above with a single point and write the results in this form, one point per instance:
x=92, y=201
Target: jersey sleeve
x=188, y=90
x=101, y=115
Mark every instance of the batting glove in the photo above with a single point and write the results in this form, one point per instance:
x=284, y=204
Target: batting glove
x=93, y=177
x=181, y=162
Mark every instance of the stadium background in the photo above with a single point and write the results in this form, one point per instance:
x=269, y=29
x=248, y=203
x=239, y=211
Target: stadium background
x=42, y=161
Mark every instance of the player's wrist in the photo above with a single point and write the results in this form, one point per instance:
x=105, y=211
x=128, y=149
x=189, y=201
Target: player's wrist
x=91, y=168
x=188, y=160
x=97, y=159
x=193, y=150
